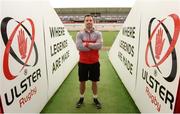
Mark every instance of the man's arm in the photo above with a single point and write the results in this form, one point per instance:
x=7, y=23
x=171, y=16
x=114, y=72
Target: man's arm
x=79, y=44
x=98, y=44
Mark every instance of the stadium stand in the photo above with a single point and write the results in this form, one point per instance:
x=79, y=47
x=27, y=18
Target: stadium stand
x=106, y=19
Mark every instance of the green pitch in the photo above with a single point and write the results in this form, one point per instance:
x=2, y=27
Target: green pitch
x=112, y=93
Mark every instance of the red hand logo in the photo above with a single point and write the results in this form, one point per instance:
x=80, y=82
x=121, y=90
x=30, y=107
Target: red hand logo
x=159, y=43
x=22, y=42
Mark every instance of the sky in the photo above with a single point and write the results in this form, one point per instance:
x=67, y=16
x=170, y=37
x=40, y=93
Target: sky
x=90, y=3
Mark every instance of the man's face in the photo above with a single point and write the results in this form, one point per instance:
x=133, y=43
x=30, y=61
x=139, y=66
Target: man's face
x=88, y=22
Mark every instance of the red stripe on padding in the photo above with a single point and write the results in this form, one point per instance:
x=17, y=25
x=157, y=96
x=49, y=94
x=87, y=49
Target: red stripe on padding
x=177, y=104
x=1, y=108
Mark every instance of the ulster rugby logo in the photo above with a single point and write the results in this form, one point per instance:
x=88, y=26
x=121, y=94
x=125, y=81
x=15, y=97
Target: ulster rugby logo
x=159, y=34
x=25, y=36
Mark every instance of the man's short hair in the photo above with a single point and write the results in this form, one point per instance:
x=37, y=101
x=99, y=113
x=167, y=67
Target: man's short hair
x=88, y=15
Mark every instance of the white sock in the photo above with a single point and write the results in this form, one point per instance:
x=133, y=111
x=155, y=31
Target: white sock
x=81, y=95
x=95, y=96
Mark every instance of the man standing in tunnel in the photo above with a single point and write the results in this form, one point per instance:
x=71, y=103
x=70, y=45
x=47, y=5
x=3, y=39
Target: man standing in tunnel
x=89, y=42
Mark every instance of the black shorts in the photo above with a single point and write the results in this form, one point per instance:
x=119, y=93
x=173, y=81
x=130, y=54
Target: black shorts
x=89, y=71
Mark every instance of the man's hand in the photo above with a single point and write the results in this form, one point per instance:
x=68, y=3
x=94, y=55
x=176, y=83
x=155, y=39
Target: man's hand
x=85, y=44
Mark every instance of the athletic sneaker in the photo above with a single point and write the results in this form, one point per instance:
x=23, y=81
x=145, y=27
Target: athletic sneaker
x=97, y=103
x=79, y=103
